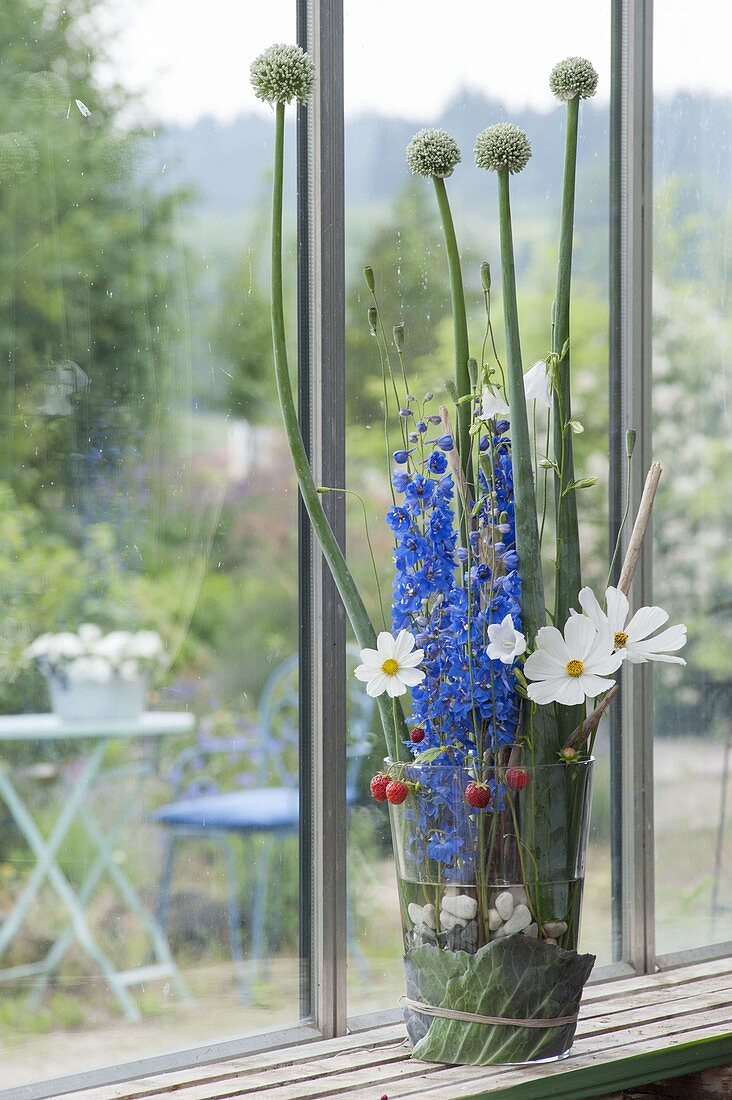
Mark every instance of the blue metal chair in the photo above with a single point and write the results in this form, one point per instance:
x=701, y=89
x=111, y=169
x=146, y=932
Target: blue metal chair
x=267, y=807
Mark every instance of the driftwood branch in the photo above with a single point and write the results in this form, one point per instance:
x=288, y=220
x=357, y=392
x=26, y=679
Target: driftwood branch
x=579, y=737
x=639, y=528
x=582, y=734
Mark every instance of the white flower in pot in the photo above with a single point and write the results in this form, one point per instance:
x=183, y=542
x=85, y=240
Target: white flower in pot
x=93, y=676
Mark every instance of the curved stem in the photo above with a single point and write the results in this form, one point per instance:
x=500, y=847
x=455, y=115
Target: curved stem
x=394, y=729
x=460, y=331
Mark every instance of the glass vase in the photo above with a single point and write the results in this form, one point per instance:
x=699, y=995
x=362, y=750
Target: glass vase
x=487, y=894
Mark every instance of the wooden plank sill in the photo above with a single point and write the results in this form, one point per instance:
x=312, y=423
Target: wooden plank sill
x=631, y=1033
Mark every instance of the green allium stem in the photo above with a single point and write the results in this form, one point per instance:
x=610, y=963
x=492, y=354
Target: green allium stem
x=568, y=575
x=394, y=728
x=460, y=331
x=568, y=578
x=527, y=528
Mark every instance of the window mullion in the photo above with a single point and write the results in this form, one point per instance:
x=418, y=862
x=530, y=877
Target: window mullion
x=327, y=427
x=634, y=733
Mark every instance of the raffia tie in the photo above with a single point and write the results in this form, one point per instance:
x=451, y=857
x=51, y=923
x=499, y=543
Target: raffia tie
x=473, y=1018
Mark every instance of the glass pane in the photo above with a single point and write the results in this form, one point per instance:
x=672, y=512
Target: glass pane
x=392, y=224
x=693, y=516
x=145, y=487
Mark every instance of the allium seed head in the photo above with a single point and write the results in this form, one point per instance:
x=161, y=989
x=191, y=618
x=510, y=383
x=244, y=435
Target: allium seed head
x=18, y=157
x=433, y=153
x=282, y=73
x=573, y=76
x=502, y=146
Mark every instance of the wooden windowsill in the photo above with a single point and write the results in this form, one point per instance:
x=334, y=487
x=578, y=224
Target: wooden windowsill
x=631, y=1032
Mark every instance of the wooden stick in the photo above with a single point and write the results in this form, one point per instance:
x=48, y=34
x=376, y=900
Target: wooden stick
x=579, y=737
x=639, y=528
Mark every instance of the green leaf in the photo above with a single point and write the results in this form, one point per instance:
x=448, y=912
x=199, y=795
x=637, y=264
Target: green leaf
x=518, y=977
x=547, y=464
x=429, y=755
x=583, y=483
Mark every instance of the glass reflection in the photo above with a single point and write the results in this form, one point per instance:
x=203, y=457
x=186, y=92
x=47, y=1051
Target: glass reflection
x=693, y=523
x=148, y=533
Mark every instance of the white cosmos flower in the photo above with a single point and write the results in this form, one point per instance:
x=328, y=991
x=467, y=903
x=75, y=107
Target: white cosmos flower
x=391, y=667
x=571, y=668
x=493, y=404
x=505, y=641
x=634, y=639
x=538, y=384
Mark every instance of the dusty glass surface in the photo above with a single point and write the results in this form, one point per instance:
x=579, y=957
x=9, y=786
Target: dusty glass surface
x=392, y=224
x=145, y=485
x=692, y=217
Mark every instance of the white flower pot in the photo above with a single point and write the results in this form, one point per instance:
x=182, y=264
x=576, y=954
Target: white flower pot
x=90, y=700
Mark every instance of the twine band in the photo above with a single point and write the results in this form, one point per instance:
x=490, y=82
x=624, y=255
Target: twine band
x=473, y=1018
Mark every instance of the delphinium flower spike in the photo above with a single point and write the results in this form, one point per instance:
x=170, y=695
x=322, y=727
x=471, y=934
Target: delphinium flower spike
x=279, y=75
x=434, y=154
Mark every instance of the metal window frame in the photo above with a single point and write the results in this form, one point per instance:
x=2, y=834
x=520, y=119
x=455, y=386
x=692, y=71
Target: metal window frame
x=630, y=406
x=324, y=275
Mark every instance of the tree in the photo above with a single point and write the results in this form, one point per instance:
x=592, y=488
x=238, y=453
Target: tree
x=85, y=331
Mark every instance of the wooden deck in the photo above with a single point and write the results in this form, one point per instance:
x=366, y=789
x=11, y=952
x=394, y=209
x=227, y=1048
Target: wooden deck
x=630, y=1033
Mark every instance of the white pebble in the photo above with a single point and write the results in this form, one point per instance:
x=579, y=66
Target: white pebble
x=461, y=905
x=494, y=920
x=519, y=895
x=504, y=905
x=519, y=919
x=448, y=921
x=422, y=914
x=549, y=939
x=451, y=891
x=555, y=928
x=532, y=931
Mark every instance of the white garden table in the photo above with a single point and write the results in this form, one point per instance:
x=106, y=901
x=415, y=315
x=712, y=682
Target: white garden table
x=95, y=739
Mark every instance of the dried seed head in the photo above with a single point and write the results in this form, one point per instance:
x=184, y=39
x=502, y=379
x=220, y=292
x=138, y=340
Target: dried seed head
x=282, y=73
x=433, y=153
x=573, y=76
x=502, y=146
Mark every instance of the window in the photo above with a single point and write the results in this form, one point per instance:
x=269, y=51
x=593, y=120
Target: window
x=146, y=484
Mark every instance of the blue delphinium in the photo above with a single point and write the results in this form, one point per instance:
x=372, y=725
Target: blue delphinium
x=447, y=595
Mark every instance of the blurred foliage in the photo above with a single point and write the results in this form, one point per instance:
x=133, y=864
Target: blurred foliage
x=86, y=312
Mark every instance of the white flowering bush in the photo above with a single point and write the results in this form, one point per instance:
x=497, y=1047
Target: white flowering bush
x=89, y=655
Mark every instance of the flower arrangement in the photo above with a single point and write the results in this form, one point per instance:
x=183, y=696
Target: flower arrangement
x=489, y=766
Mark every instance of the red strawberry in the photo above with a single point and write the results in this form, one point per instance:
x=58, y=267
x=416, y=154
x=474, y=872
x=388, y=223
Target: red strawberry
x=477, y=795
x=517, y=778
x=417, y=735
x=396, y=792
x=378, y=787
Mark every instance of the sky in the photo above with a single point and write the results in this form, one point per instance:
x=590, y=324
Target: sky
x=402, y=57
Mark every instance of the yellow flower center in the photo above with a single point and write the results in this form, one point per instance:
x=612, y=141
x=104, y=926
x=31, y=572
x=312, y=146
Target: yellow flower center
x=621, y=639
x=575, y=668
x=390, y=667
